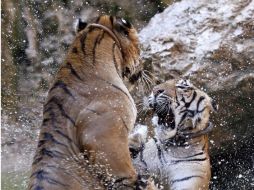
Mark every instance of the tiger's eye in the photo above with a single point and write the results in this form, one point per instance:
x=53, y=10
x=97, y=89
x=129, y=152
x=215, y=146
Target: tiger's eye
x=126, y=23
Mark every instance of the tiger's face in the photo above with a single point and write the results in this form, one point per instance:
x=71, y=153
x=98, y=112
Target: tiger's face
x=161, y=101
x=179, y=105
x=126, y=38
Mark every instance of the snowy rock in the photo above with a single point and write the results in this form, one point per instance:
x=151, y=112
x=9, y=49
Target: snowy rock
x=213, y=45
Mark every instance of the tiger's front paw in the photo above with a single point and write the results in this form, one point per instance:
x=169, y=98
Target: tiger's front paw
x=137, y=139
x=145, y=183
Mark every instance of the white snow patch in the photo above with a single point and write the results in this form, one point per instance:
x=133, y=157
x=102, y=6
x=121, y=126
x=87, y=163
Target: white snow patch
x=208, y=41
x=247, y=12
x=142, y=129
x=238, y=31
x=48, y=61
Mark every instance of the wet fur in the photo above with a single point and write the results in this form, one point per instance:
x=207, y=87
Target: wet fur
x=83, y=141
x=177, y=165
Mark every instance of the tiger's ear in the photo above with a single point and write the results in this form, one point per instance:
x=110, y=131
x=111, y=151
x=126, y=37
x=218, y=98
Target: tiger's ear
x=80, y=25
x=122, y=26
x=184, y=87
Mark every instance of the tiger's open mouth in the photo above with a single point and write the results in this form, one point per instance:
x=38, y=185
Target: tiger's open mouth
x=162, y=109
x=167, y=120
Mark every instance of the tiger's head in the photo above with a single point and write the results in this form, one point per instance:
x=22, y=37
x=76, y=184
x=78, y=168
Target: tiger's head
x=185, y=90
x=161, y=101
x=172, y=99
x=126, y=38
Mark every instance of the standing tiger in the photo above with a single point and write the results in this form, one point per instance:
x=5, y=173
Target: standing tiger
x=178, y=153
x=83, y=141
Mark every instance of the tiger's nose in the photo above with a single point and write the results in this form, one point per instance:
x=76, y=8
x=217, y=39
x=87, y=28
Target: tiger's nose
x=157, y=92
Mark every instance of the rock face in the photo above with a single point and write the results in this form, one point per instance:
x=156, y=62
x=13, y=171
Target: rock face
x=212, y=43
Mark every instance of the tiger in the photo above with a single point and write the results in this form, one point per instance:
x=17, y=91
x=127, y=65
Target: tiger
x=89, y=112
x=178, y=152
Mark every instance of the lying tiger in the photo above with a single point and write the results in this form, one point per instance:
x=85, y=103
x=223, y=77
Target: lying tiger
x=83, y=142
x=178, y=153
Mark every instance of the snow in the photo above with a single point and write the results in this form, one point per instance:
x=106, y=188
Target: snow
x=208, y=41
x=142, y=130
x=247, y=12
x=201, y=26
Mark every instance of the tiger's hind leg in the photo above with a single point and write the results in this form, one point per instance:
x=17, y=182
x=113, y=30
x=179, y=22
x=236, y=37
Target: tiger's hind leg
x=106, y=142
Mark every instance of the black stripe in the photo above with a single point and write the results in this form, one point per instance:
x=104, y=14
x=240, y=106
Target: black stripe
x=190, y=160
x=183, y=117
x=55, y=182
x=37, y=160
x=118, y=88
x=183, y=99
x=51, y=153
x=51, y=114
x=41, y=142
x=114, y=59
x=159, y=151
x=203, y=148
x=91, y=110
x=181, y=87
x=125, y=125
x=94, y=48
x=62, y=85
x=142, y=155
x=177, y=100
x=45, y=120
x=57, y=167
x=119, y=180
x=198, y=154
x=75, y=50
x=49, y=137
x=47, y=109
x=53, y=118
x=185, y=178
x=38, y=188
x=56, y=101
x=202, y=110
x=42, y=175
x=66, y=137
x=111, y=20
x=115, y=86
x=83, y=42
x=199, y=101
x=73, y=72
x=204, y=131
x=191, y=113
x=101, y=37
x=187, y=104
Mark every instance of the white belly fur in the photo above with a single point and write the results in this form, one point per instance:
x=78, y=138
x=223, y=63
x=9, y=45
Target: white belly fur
x=171, y=173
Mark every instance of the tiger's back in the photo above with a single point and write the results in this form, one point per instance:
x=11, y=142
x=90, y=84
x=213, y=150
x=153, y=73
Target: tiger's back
x=88, y=111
